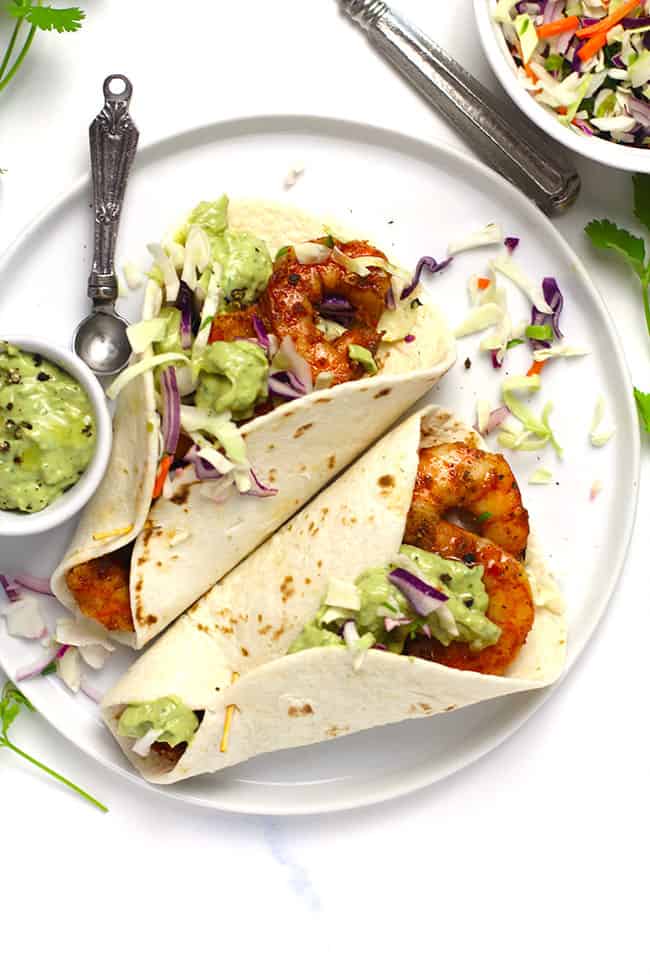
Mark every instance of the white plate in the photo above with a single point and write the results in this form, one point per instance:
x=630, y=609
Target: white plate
x=415, y=197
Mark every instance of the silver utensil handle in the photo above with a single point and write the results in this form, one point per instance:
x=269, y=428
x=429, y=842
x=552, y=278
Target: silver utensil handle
x=113, y=141
x=501, y=136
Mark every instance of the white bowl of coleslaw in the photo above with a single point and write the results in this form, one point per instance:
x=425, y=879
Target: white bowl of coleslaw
x=618, y=155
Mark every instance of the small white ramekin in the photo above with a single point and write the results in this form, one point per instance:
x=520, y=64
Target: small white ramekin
x=616, y=156
x=69, y=503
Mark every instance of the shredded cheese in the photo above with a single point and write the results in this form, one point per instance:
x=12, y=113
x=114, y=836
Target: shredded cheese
x=223, y=747
x=115, y=533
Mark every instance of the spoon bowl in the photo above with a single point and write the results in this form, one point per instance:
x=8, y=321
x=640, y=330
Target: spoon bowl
x=101, y=341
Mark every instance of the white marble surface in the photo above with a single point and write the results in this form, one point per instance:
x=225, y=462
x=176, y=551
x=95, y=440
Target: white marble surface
x=533, y=860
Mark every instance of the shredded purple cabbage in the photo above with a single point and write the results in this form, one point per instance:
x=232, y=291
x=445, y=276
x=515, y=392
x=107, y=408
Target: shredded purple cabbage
x=202, y=468
x=260, y=490
x=337, y=309
x=431, y=265
x=189, y=320
x=512, y=243
x=261, y=333
x=286, y=384
x=555, y=299
x=11, y=592
x=424, y=598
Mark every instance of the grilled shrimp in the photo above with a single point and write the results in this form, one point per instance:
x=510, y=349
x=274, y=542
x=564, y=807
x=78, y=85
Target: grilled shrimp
x=101, y=589
x=232, y=325
x=289, y=307
x=456, y=476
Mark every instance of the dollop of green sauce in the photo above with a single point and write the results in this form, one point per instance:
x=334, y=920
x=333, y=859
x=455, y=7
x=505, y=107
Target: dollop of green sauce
x=233, y=376
x=47, y=430
x=245, y=266
x=467, y=601
x=175, y=721
x=245, y=261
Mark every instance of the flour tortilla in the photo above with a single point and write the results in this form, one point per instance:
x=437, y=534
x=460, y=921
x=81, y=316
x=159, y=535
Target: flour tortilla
x=184, y=545
x=246, y=623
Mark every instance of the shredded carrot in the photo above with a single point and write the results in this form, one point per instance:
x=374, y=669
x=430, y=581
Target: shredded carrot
x=533, y=77
x=163, y=471
x=593, y=46
x=531, y=74
x=483, y=283
x=606, y=24
x=562, y=110
x=536, y=368
x=556, y=27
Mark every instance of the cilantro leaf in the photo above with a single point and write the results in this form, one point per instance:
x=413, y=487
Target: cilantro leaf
x=11, y=702
x=643, y=406
x=641, y=182
x=607, y=236
x=62, y=20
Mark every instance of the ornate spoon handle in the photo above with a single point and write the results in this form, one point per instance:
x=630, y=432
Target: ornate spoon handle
x=502, y=137
x=113, y=141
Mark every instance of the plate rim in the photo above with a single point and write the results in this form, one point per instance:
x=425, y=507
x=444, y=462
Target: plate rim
x=419, y=776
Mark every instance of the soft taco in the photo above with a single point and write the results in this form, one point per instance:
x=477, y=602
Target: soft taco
x=255, y=381
x=369, y=607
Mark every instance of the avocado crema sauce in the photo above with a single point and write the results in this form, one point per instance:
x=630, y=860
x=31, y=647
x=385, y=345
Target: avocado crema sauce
x=47, y=430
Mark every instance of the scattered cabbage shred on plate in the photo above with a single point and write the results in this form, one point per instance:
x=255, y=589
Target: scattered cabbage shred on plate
x=586, y=61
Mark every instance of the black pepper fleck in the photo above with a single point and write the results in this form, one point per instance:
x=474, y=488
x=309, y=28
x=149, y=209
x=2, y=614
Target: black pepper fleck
x=469, y=602
x=4, y=446
x=294, y=279
x=445, y=578
x=468, y=363
x=469, y=559
x=43, y=377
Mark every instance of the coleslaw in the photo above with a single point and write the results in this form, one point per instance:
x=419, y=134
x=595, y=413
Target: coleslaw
x=587, y=62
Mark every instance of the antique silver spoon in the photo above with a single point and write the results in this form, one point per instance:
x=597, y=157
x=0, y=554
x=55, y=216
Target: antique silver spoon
x=100, y=339
x=496, y=131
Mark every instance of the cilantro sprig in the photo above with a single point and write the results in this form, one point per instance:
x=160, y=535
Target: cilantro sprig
x=11, y=703
x=31, y=17
x=608, y=236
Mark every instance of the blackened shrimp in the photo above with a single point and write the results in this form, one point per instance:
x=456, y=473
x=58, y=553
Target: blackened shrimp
x=290, y=307
x=456, y=477
x=101, y=589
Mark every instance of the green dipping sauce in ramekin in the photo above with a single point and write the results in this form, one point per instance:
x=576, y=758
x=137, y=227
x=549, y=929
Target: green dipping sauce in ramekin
x=47, y=430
